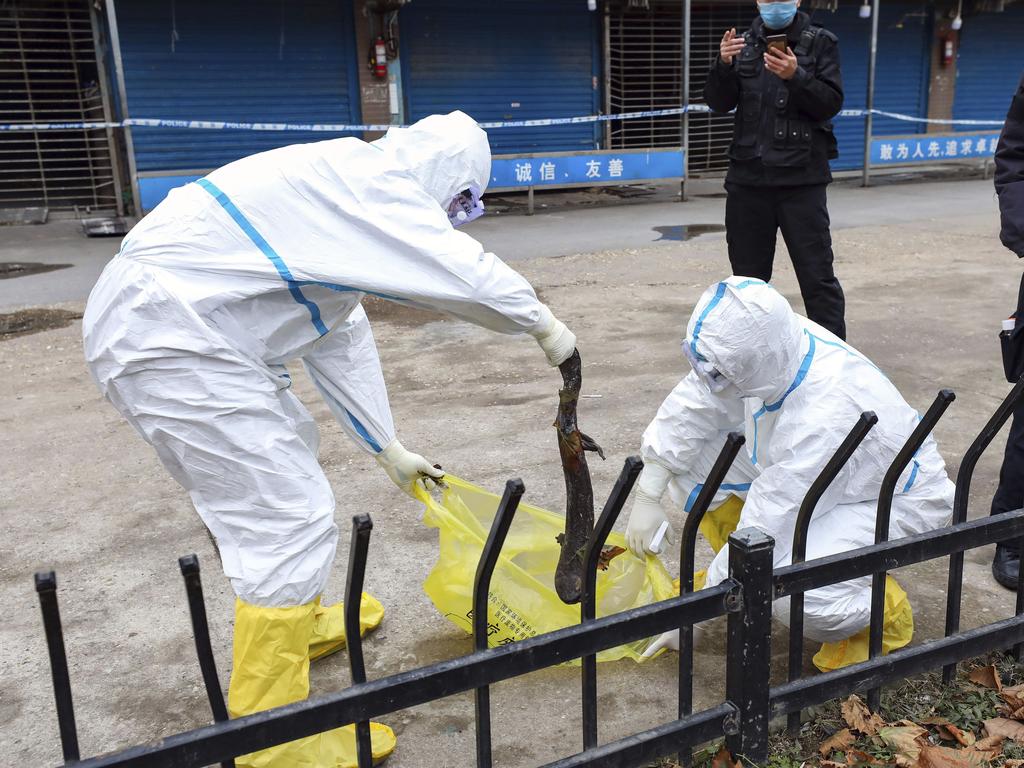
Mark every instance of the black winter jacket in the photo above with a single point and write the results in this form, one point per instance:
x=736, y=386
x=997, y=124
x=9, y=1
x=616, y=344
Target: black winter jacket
x=1010, y=176
x=782, y=133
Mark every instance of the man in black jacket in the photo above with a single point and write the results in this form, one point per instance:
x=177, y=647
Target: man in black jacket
x=782, y=142
x=1010, y=188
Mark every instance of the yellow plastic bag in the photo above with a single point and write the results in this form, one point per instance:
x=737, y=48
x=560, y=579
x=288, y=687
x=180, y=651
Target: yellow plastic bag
x=523, y=602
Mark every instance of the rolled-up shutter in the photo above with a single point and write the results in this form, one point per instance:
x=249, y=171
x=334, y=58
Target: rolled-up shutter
x=238, y=61
x=989, y=65
x=511, y=60
x=902, y=72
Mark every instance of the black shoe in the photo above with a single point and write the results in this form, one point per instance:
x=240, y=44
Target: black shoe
x=1006, y=565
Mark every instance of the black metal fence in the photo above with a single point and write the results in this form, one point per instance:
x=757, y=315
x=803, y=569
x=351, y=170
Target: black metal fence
x=745, y=598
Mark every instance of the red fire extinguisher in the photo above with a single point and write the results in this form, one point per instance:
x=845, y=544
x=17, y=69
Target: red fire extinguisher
x=948, y=50
x=380, y=58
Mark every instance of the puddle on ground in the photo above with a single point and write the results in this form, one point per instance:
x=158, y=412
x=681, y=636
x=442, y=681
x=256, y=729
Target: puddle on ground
x=28, y=321
x=9, y=269
x=687, y=231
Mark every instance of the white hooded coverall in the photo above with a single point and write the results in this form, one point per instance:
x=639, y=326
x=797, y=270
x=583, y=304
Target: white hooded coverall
x=263, y=262
x=796, y=391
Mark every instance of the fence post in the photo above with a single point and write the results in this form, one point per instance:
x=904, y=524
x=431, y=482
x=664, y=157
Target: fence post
x=46, y=587
x=514, y=490
x=749, y=646
x=189, y=565
x=588, y=602
x=359, y=546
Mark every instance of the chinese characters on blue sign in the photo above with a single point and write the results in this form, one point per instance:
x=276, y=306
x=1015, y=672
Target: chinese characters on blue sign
x=583, y=169
x=932, y=147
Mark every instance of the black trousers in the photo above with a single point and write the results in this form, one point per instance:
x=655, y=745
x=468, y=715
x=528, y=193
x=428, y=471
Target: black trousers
x=1010, y=493
x=753, y=216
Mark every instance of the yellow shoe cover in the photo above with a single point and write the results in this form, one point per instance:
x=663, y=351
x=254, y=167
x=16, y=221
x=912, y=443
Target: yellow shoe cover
x=897, y=631
x=329, y=625
x=271, y=668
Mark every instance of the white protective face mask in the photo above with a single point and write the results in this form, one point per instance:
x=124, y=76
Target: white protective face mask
x=711, y=377
x=465, y=207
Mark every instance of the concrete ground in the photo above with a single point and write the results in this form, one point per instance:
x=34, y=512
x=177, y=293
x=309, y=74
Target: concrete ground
x=927, y=284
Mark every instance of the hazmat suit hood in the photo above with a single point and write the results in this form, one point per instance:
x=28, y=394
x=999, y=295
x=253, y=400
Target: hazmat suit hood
x=748, y=331
x=445, y=154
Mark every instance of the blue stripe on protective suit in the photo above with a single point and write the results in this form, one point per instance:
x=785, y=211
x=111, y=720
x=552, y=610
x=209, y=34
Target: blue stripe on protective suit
x=801, y=374
x=258, y=240
x=723, y=487
x=719, y=293
x=363, y=432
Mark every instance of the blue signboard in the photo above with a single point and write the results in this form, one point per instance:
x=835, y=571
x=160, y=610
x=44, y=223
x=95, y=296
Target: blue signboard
x=593, y=168
x=930, y=148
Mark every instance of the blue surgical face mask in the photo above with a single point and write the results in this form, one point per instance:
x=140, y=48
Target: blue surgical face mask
x=777, y=15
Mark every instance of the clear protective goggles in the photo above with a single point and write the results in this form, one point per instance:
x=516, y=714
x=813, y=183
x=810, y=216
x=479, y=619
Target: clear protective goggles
x=713, y=378
x=465, y=206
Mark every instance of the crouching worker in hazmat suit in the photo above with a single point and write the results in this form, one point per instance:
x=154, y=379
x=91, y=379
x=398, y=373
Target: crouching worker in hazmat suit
x=263, y=262
x=795, y=390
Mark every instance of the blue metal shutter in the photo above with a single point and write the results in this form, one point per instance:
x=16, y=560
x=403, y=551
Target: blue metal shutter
x=901, y=75
x=988, y=65
x=234, y=60
x=512, y=60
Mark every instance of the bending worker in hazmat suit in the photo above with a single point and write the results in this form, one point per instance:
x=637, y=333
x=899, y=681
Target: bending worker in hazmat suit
x=795, y=390
x=263, y=262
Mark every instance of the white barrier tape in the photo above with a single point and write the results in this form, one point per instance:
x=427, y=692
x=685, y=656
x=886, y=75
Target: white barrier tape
x=220, y=125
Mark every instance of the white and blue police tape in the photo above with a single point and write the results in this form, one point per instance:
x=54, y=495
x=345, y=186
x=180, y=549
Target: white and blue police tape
x=222, y=125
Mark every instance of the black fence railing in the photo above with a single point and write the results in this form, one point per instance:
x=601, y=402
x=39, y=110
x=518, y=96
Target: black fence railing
x=745, y=597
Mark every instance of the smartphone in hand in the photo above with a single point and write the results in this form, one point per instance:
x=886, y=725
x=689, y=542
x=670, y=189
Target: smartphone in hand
x=778, y=42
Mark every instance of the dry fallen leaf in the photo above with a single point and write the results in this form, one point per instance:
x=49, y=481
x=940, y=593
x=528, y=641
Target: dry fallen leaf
x=946, y=757
x=1013, y=764
x=989, y=742
x=1014, y=690
x=837, y=742
x=724, y=759
x=859, y=717
x=987, y=677
x=1001, y=726
x=860, y=759
x=950, y=732
x=905, y=741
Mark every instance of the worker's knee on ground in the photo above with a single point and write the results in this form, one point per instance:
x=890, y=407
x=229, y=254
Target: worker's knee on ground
x=897, y=631
x=717, y=524
x=329, y=625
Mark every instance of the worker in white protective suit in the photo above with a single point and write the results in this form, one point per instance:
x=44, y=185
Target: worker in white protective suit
x=261, y=263
x=795, y=390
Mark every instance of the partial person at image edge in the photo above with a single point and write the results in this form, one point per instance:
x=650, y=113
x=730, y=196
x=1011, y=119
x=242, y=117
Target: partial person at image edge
x=782, y=144
x=1009, y=181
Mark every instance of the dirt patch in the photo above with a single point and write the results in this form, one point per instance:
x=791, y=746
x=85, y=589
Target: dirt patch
x=26, y=321
x=392, y=311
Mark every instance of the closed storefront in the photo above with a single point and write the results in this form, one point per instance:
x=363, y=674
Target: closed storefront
x=510, y=60
x=235, y=61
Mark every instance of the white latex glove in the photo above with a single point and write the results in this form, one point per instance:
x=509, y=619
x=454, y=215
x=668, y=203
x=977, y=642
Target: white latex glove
x=557, y=341
x=647, y=515
x=405, y=467
x=668, y=640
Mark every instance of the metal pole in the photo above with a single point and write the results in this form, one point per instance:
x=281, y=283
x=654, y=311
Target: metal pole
x=686, y=97
x=514, y=490
x=872, y=55
x=865, y=423
x=362, y=525
x=749, y=643
x=100, y=48
x=46, y=586
x=883, y=515
x=588, y=602
x=189, y=565
x=122, y=92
